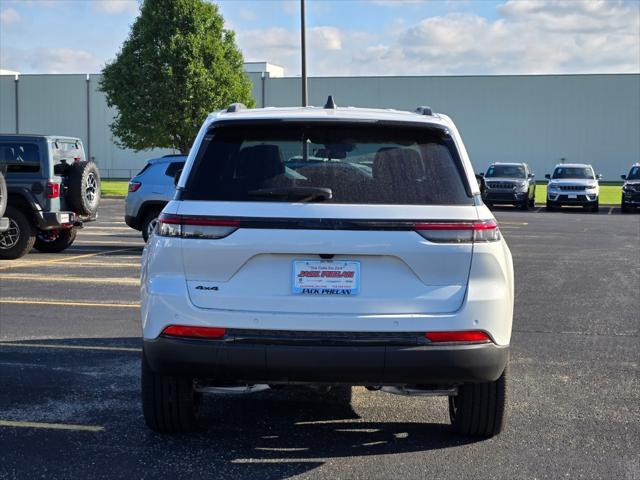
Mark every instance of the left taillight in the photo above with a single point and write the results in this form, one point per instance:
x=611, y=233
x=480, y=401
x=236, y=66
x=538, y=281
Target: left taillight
x=187, y=226
x=459, y=232
x=134, y=186
x=53, y=190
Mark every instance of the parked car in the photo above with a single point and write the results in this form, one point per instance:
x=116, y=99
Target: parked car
x=52, y=190
x=150, y=190
x=4, y=221
x=375, y=263
x=509, y=183
x=573, y=184
x=631, y=189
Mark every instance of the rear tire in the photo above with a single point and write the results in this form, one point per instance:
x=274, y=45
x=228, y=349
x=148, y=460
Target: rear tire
x=551, y=206
x=18, y=240
x=479, y=409
x=149, y=224
x=55, y=241
x=169, y=404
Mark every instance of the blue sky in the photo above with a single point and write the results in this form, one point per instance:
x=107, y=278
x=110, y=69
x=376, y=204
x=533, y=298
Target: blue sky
x=351, y=37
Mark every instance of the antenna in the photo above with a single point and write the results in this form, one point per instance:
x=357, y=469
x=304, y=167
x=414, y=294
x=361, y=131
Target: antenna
x=330, y=103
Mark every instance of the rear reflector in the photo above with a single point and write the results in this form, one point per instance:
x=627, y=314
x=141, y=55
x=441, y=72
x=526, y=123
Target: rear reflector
x=187, y=226
x=134, y=186
x=468, y=336
x=459, y=232
x=194, y=332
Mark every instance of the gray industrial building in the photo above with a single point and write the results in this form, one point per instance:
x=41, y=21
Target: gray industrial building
x=538, y=119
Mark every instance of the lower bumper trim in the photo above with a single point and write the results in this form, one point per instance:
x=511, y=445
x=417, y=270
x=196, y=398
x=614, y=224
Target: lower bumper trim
x=335, y=364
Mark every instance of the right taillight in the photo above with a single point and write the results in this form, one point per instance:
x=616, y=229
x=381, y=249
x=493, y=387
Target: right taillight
x=187, y=226
x=465, y=336
x=459, y=232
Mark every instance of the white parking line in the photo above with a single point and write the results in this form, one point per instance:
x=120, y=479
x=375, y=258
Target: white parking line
x=32, y=277
x=30, y=301
x=69, y=347
x=17, y=264
x=100, y=226
x=53, y=426
x=106, y=243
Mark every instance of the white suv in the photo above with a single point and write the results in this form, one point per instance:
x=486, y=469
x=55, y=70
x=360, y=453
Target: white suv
x=573, y=184
x=327, y=246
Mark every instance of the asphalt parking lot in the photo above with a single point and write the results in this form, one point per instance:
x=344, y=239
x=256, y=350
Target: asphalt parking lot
x=69, y=375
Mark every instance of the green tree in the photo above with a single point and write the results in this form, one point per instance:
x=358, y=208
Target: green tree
x=178, y=64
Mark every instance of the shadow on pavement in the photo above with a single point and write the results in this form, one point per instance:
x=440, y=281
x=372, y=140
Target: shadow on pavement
x=272, y=434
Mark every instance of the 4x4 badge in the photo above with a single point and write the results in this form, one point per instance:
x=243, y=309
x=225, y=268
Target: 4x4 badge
x=205, y=287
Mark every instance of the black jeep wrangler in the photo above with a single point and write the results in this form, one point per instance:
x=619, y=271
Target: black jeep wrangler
x=51, y=191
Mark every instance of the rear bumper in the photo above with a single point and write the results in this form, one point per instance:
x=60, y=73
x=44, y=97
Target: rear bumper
x=132, y=222
x=54, y=220
x=285, y=362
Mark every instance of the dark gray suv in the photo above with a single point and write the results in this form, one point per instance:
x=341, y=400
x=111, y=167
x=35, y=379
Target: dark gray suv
x=51, y=190
x=509, y=183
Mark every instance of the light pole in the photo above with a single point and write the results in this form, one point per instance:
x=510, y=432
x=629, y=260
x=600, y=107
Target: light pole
x=303, y=42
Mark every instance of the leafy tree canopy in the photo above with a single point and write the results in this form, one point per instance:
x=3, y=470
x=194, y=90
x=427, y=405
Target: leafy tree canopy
x=178, y=64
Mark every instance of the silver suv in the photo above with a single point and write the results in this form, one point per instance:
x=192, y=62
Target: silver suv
x=150, y=190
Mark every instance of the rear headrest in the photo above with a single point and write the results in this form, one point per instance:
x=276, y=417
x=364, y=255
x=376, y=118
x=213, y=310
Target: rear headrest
x=7, y=154
x=397, y=162
x=260, y=162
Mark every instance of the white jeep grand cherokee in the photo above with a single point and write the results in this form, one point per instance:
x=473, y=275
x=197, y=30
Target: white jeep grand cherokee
x=327, y=246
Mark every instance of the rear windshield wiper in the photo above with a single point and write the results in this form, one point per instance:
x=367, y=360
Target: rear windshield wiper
x=301, y=194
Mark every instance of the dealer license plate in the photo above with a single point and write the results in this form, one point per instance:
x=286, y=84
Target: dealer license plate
x=326, y=277
x=573, y=196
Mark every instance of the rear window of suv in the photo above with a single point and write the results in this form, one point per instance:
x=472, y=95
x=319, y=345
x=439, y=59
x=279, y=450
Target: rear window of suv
x=346, y=164
x=20, y=157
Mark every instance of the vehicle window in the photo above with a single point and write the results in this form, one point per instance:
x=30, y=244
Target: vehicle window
x=20, y=157
x=68, y=151
x=509, y=171
x=144, y=169
x=634, y=174
x=573, y=172
x=173, y=168
x=291, y=162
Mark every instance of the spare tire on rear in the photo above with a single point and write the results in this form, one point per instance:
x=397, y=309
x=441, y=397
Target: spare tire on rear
x=83, y=194
x=3, y=195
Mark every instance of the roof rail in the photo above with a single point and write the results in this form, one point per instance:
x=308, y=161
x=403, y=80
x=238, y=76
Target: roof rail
x=330, y=103
x=236, y=107
x=424, y=110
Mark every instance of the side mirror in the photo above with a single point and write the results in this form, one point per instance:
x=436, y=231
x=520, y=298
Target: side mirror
x=624, y=177
x=531, y=175
x=481, y=174
x=599, y=176
x=548, y=176
x=176, y=177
